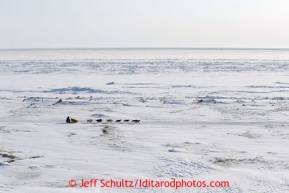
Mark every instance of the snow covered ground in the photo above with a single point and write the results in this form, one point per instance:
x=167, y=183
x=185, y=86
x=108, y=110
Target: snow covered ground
x=201, y=119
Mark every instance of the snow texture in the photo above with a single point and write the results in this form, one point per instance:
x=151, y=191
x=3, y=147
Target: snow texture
x=200, y=119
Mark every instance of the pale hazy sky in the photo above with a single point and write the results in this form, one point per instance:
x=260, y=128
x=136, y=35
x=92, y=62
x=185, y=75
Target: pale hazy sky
x=144, y=23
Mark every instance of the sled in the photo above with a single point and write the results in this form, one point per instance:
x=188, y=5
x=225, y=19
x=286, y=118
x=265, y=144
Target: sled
x=74, y=120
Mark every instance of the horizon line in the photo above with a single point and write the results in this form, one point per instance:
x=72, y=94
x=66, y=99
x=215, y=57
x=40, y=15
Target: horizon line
x=119, y=48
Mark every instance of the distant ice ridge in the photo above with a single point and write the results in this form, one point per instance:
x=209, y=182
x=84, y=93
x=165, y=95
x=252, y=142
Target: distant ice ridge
x=77, y=90
x=134, y=66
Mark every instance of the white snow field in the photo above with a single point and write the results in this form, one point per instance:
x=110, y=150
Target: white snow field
x=205, y=115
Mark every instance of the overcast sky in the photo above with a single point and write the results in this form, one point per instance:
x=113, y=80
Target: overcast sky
x=144, y=23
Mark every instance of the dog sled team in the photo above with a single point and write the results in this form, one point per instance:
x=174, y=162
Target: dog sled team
x=116, y=121
x=72, y=120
